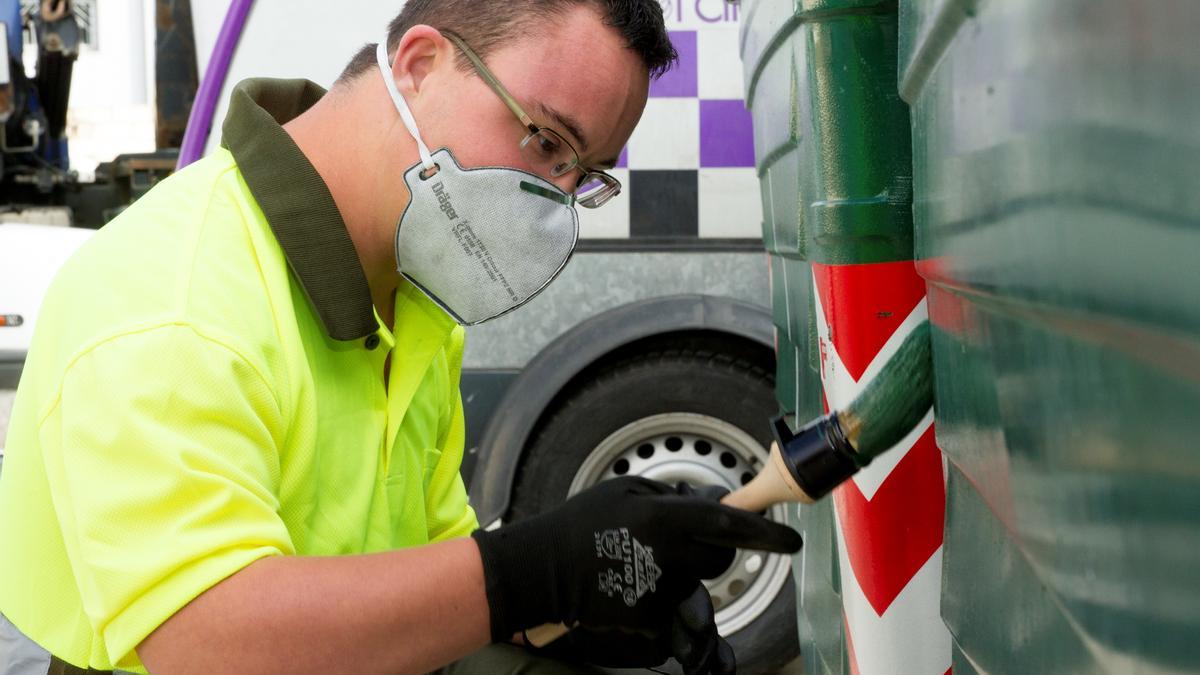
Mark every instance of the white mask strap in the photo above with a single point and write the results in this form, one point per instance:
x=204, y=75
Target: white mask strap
x=385, y=69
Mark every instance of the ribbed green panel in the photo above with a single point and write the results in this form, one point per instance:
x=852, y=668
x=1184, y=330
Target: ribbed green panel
x=1056, y=153
x=856, y=170
x=797, y=379
x=822, y=630
x=987, y=631
x=780, y=185
x=790, y=281
x=764, y=26
x=959, y=663
x=833, y=152
x=774, y=109
x=831, y=133
x=786, y=356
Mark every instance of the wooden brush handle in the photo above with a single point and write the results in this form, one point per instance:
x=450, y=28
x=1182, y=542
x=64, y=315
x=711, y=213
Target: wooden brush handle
x=545, y=634
x=773, y=485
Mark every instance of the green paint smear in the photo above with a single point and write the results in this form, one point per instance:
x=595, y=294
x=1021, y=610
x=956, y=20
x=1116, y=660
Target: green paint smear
x=896, y=400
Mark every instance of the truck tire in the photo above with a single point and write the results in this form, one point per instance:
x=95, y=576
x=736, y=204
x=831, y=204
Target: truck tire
x=696, y=416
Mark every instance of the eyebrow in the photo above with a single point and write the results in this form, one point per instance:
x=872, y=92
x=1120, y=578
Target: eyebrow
x=569, y=123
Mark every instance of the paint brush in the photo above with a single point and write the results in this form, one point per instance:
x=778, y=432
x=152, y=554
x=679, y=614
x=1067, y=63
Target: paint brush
x=807, y=465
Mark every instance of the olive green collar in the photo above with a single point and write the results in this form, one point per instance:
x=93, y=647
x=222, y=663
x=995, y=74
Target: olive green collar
x=297, y=203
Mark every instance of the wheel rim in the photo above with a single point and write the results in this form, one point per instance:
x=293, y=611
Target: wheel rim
x=700, y=450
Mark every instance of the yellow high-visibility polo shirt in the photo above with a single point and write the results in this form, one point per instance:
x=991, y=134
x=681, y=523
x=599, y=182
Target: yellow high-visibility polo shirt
x=206, y=387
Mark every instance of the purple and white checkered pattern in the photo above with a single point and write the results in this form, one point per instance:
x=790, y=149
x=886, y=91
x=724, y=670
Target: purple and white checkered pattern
x=689, y=167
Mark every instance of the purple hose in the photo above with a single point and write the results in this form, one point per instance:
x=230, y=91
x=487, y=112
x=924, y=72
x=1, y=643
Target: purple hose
x=200, y=120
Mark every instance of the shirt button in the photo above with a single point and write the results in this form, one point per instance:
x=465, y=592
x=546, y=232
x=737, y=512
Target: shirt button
x=372, y=342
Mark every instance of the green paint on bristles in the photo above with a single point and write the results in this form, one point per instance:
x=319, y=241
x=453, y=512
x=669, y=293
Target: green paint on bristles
x=896, y=400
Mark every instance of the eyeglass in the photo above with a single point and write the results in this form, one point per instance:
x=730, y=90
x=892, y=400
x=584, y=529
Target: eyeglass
x=545, y=149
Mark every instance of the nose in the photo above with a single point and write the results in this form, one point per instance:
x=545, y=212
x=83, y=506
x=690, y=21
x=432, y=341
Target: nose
x=568, y=181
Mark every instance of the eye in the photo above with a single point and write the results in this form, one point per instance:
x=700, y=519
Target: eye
x=546, y=145
x=547, y=153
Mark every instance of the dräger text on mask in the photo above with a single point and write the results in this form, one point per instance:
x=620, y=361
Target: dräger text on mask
x=444, y=200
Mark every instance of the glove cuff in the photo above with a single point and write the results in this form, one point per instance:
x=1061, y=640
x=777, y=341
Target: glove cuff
x=520, y=576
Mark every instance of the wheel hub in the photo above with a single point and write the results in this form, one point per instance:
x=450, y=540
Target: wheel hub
x=699, y=450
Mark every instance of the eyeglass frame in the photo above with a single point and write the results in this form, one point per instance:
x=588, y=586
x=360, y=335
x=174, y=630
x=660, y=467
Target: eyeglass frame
x=490, y=79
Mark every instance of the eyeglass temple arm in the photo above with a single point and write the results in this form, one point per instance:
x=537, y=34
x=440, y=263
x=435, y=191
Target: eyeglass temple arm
x=492, y=81
x=509, y=101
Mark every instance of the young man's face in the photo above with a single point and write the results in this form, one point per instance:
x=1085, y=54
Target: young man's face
x=578, y=78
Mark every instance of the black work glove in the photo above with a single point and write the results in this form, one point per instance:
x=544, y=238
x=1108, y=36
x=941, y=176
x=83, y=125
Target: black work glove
x=690, y=634
x=691, y=637
x=622, y=555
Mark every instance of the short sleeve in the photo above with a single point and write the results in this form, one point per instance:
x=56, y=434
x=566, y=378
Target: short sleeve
x=162, y=455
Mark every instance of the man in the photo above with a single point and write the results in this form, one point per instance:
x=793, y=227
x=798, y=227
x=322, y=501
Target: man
x=236, y=444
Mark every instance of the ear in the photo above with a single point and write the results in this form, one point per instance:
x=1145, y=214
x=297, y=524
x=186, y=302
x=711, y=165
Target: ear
x=422, y=51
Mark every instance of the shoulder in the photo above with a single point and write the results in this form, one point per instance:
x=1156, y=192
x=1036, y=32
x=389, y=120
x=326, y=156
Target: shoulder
x=194, y=251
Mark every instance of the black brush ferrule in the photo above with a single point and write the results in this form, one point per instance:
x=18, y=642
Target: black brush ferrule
x=818, y=456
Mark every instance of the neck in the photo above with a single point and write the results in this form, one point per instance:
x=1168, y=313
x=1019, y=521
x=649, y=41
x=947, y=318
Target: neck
x=340, y=137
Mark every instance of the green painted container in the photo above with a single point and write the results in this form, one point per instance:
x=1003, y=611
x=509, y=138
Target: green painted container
x=1055, y=159
x=1056, y=150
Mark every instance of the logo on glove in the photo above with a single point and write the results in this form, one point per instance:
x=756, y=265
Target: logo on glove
x=638, y=573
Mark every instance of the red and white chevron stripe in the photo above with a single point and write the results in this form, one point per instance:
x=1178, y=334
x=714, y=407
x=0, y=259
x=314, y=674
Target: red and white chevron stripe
x=889, y=517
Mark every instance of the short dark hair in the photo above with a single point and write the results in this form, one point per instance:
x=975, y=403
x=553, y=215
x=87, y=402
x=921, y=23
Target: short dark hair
x=488, y=24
